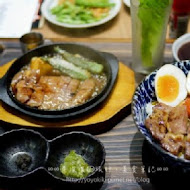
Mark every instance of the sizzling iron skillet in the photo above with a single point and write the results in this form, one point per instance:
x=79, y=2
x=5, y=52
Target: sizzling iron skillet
x=109, y=61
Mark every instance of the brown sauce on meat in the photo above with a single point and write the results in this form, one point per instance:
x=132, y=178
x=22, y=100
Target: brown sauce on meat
x=184, y=52
x=51, y=90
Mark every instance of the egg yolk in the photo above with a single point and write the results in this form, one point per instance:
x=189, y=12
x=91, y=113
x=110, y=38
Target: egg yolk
x=167, y=88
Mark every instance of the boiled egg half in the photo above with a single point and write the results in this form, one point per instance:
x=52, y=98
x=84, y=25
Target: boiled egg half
x=170, y=85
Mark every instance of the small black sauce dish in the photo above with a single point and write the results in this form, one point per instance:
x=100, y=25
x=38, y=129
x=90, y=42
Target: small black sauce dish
x=108, y=60
x=87, y=146
x=22, y=152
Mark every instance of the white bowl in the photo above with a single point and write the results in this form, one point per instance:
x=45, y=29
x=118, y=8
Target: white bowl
x=178, y=43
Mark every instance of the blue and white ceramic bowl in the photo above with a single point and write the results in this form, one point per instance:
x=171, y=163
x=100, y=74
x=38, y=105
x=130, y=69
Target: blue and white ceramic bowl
x=144, y=94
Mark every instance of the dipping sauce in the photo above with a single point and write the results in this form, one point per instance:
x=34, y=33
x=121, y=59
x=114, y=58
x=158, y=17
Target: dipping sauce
x=184, y=52
x=30, y=41
x=75, y=166
x=23, y=161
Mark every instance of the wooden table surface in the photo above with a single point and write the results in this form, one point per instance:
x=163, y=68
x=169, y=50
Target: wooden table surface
x=125, y=168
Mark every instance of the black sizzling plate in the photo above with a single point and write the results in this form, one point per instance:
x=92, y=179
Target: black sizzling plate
x=109, y=61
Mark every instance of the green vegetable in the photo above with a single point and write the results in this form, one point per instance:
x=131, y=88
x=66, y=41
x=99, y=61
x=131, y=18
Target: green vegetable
x=57, y=9
x=94, y=3
x=81, y=61
x=152, y=14
x=68, y=68
x=75, y=14
x=74, y=166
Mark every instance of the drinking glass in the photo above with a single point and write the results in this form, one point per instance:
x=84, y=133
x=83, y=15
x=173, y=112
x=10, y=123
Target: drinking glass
x=149, y=25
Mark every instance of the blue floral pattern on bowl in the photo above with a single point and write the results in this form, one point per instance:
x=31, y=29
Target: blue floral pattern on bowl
x=144, y=94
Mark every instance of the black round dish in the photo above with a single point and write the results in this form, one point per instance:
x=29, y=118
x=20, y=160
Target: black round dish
x=86, y=145
x=22, y=152
x=109, y=61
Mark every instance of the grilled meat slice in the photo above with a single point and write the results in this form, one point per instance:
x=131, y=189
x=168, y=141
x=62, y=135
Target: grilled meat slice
x=15, y=80
x=23, y=92
x=187, y=147
x=36, y=99
x=162, y=107
x=54, y=88
x=84, y=92
x=157, y=122
x=173, y=143
x=178, y=119
x=73, y=86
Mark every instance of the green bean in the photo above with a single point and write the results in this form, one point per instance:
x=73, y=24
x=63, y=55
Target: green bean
x=82, y=62
x=68, y=68
x=94, y=3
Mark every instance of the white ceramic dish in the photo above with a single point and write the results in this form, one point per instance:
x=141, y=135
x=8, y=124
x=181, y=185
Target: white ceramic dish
x=48, y=4
x=178, y=43
x=127, y=2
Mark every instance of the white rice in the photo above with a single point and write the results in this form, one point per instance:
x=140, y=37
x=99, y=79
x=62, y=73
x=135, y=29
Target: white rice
x=149, y=108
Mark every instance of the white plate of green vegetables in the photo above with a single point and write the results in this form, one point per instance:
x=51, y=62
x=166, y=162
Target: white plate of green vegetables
x=80, y=13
